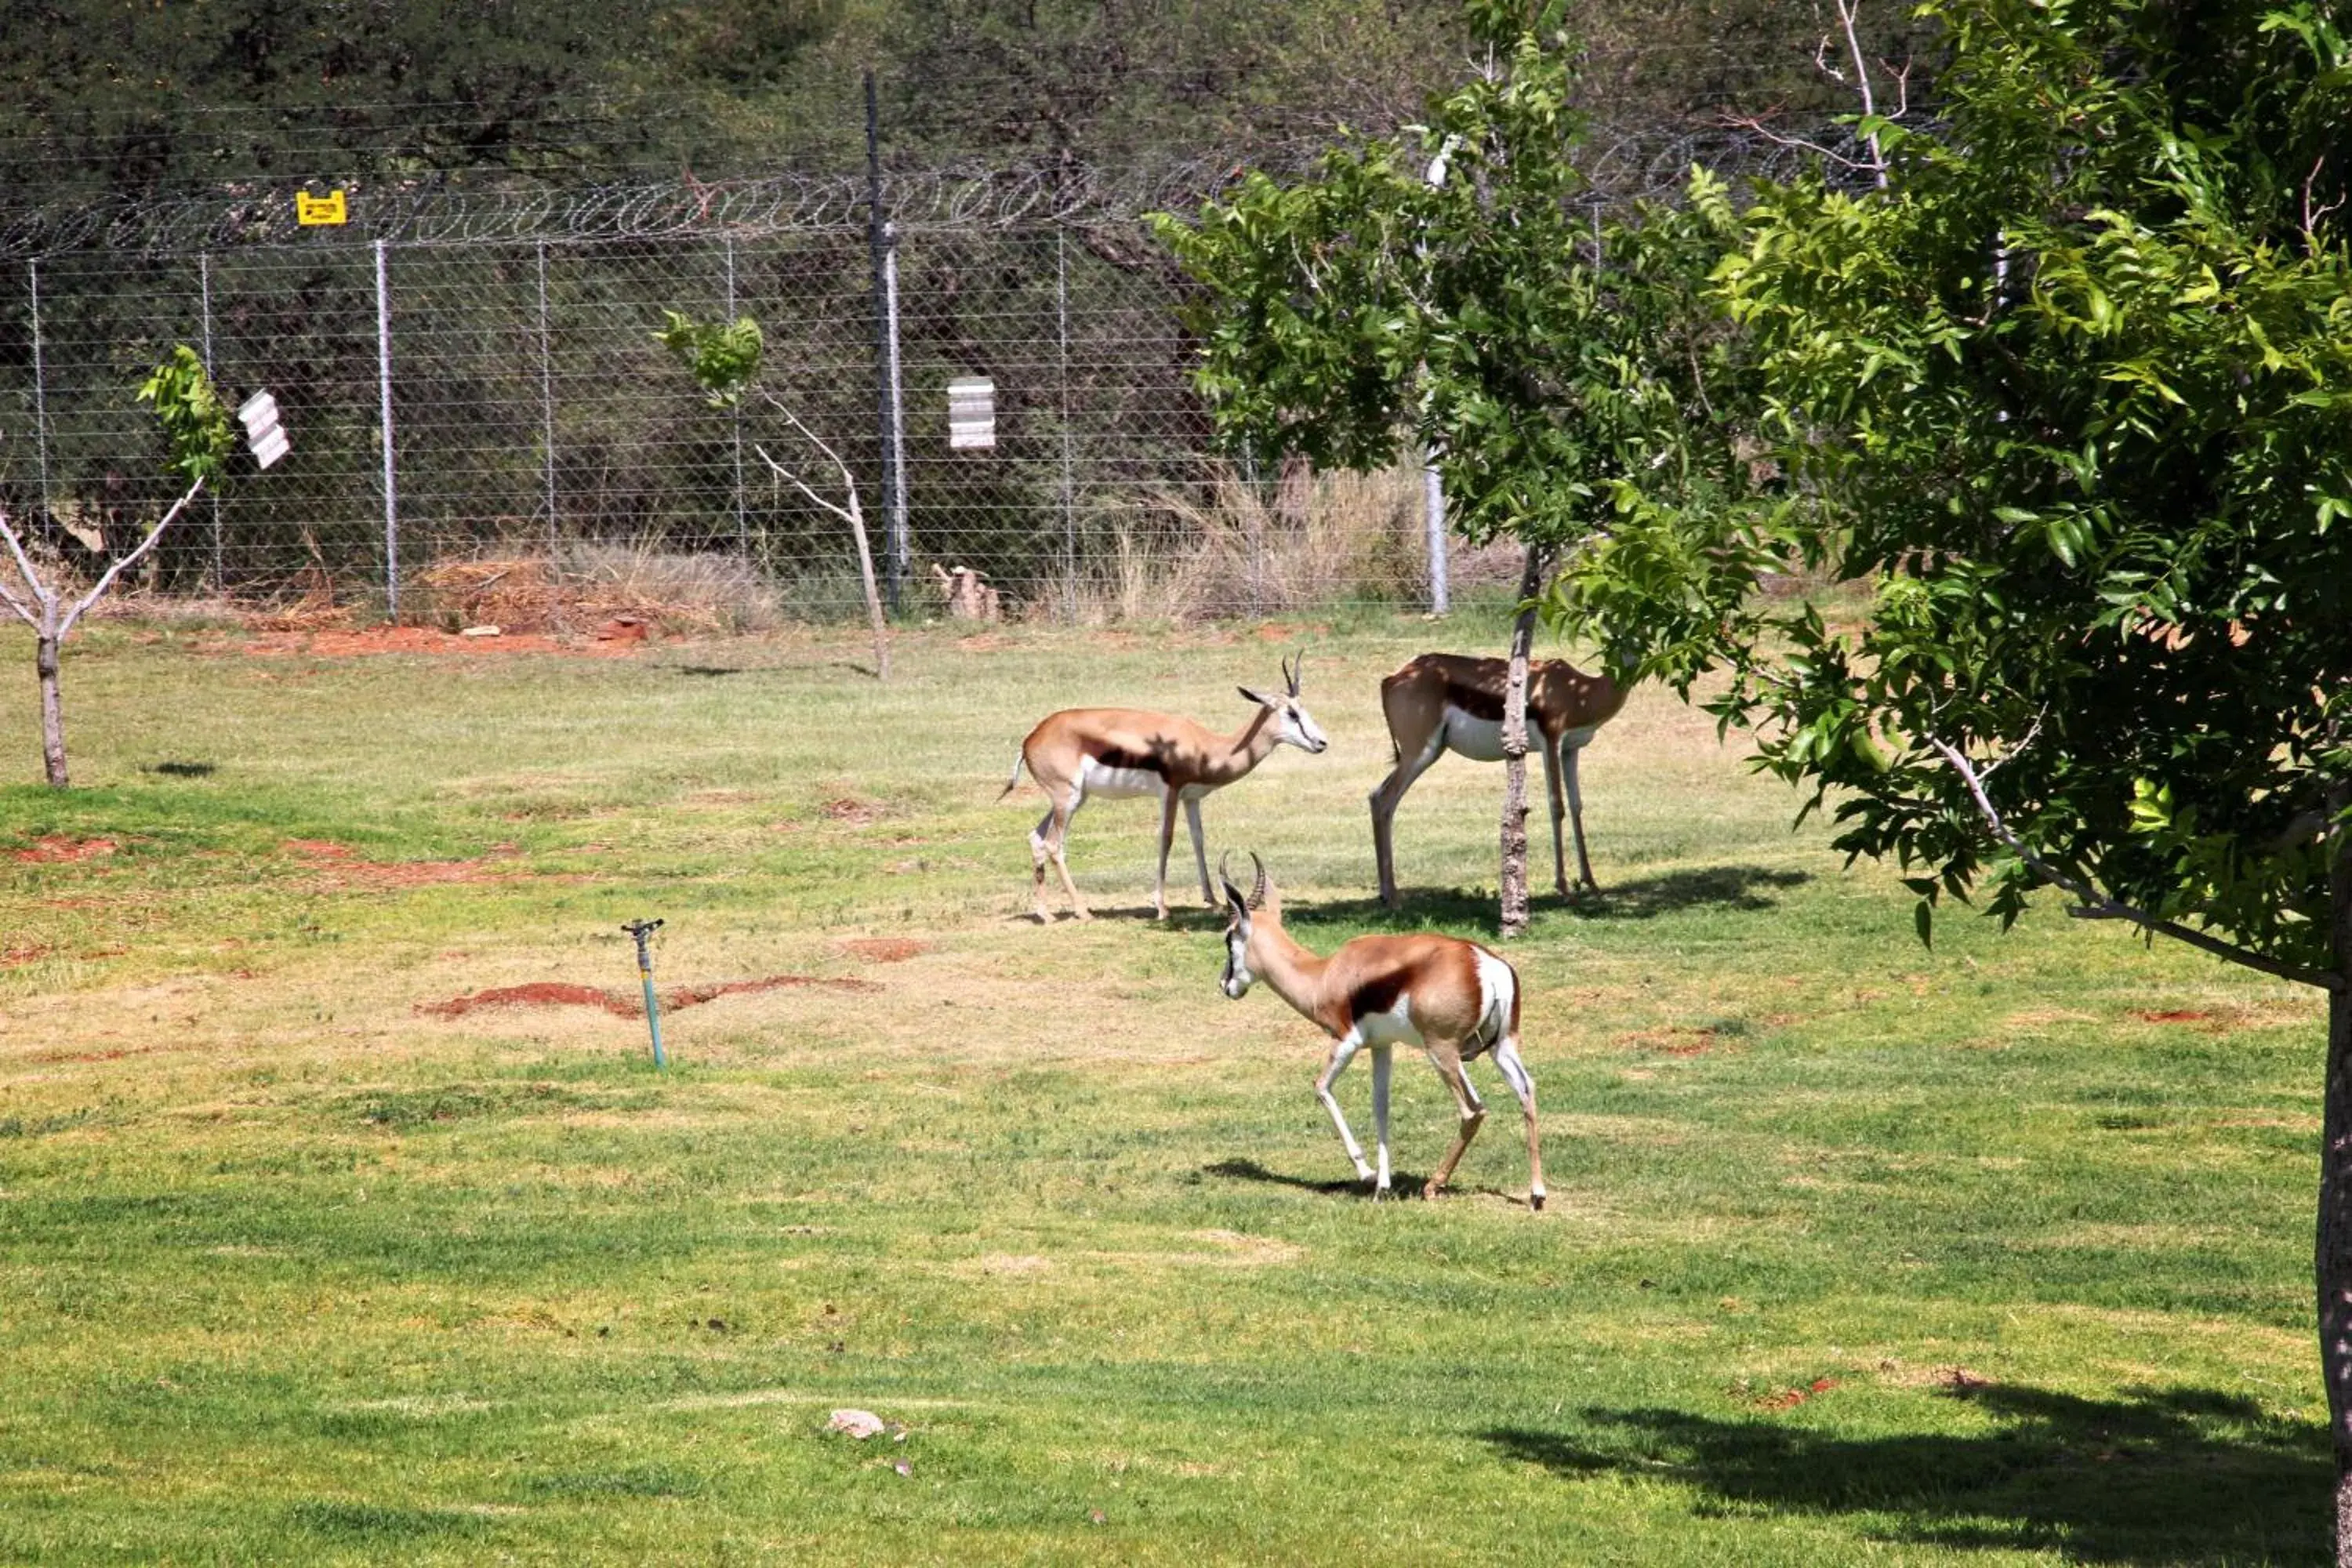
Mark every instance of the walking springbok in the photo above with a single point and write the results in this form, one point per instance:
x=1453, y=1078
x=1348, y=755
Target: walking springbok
x=1453, y=999
x=1116, y=752
x=1442, y=702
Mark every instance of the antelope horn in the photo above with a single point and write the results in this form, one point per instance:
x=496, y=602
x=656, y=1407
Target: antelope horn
x=1257, y=893
x=1225, y=871
x=1291, y=672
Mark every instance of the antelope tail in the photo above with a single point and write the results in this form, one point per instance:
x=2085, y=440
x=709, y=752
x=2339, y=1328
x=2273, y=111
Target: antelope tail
x=1014, y=781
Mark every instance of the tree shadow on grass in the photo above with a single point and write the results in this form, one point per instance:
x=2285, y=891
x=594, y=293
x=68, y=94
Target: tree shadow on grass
x=1742, y=887
x=2158, y=1477
x=1745, y=888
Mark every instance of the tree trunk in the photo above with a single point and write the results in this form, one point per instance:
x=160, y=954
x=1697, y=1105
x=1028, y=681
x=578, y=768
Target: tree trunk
x=873, y=598
x=2332, y=1264
x=1514, y=879
x=53, y=716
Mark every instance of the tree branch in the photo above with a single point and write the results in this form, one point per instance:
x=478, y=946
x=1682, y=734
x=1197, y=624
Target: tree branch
x=125, y=562
x=1847, y=10
x=33, y=584
x=2311, y=215
x=1802, y=144
x=798, y=483
x=2094, y=905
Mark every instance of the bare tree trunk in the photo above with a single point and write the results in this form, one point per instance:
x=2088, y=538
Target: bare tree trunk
x=53, y=716
x=873, y=597
x=1514, y=879
x=2333, y=1262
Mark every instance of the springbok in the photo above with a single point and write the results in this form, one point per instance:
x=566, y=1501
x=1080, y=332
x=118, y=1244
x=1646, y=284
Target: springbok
x=1442, y=702
x=1116, y=752
x=1452, y=998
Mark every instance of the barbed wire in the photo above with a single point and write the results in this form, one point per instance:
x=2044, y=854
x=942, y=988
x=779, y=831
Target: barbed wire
x=969, y=196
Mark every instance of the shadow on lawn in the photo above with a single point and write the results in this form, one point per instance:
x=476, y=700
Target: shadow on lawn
x=1743, y=888
x=1403, y=1184
x=2161, y=1476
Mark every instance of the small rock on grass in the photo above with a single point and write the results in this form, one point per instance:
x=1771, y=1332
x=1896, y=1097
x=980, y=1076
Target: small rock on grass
x=858, y=1424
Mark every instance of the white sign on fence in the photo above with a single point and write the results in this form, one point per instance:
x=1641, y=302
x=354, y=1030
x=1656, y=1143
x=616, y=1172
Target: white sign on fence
x=971, y=414
x=262, y=431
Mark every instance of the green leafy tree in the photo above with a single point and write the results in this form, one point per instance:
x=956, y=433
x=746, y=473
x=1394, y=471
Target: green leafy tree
x=2074, y=396
x=196, y=429
x=1451, y=292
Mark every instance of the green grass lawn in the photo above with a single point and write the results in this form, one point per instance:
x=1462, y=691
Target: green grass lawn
x=1855, y=1252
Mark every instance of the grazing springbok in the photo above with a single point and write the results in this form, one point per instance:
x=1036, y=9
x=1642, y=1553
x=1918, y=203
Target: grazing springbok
x=1442, y=702
x=1452, y=998
x=1115, y=752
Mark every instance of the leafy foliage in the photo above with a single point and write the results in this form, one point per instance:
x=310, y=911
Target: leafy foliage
x=196, y=423
x=2072, y=396
x=1450, y=291
x=723, y=357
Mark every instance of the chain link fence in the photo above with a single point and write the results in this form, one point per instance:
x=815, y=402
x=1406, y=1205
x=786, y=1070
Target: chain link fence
x=464, y=408
x=485, y=429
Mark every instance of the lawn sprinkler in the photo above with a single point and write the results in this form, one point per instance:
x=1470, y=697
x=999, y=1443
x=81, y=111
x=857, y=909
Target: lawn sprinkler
x=643, y=931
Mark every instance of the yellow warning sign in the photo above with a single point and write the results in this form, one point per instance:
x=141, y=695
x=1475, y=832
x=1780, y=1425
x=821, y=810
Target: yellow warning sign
x=310, y=210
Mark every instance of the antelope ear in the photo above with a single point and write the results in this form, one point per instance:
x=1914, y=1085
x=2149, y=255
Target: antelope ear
x=1240, y=904
x=1261, y=702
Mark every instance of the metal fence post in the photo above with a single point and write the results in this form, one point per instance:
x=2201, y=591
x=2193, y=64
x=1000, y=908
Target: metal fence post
x=742, y=530
x=204, y=296
x=384, y=403
x=882, y=236
x=40, y=387
x=1432, y=507
x=1070, y=497
x=547, y=404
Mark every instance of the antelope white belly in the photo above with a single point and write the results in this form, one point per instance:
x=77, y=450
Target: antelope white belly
x=1118, y=782
x=1393, y=1028
x=1480, y=740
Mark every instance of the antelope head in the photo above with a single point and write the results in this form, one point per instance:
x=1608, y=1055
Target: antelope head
x=1238, y=976
x=1294, y=725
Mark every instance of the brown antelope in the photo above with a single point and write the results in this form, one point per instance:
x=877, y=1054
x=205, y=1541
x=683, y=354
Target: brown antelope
x=1115, y=751
x=1442, y=702
x=1453, y=999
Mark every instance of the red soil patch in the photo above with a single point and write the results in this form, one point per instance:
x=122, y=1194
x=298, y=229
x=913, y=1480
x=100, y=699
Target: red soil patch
x=338, y=866
x=1675, y=1042
x=25, y=952
x=58, y=847
x=539, y=993
x=625, y=1005
x=884, y=948
x=1789, y=1398
x=2178, y=1016
x=848, y=808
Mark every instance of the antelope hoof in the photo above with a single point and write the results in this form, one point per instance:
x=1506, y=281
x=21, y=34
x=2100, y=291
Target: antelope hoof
x=1535, y=1200
x=1428, y=1190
